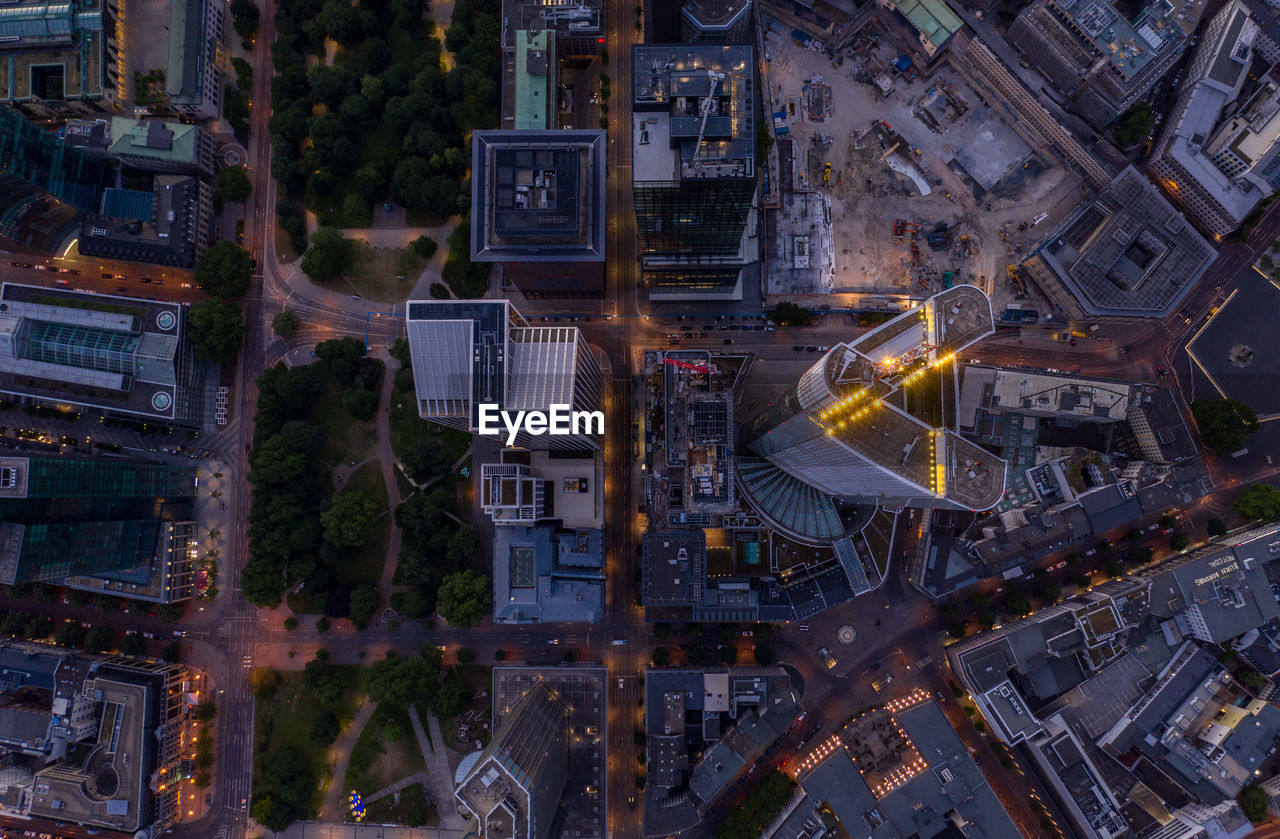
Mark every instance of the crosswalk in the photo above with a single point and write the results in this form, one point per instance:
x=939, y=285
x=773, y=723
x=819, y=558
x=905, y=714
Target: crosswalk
x=224, y=631
x=924, y=662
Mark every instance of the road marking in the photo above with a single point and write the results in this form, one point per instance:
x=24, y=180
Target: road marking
x=924, y=662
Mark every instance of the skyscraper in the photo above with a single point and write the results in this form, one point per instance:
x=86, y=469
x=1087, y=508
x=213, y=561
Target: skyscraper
x=468, y=353
x=63, y=517
x=514, y=788
x=538, y=200
x=870, y=421
x=694, y=167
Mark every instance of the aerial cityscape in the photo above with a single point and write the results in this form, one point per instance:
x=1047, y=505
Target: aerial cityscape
x=707, y=419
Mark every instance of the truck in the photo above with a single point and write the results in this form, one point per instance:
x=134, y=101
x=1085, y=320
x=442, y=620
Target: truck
x=619, y=642
x=881, y=683
x=948, y=279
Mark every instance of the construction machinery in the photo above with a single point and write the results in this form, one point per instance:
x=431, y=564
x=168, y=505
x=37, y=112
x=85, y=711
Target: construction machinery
x=688, y=365
x=1011, y=271
x=707, y=104
x=826, y=174
x=948, y=279
x=939, y=237
x=915, y=254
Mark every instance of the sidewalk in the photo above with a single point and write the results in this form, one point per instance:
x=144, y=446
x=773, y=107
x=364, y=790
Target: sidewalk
x=317, y=830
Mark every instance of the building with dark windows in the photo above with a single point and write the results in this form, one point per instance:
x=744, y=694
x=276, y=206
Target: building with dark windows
x=469, y=353
x=193, y=80
x=715, y=21
x=847, y=429
x=45, y=161
x=161, y=147
x=694, y=168
x=60, y=58
x=538, y=201
x=91, y=740
x=514, y=788
x=171, y=225
x=59, y=348
x=100, y=522
x=577, y=26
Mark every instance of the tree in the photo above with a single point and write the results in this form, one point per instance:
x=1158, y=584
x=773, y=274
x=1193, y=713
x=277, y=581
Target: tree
x=760, y=807
x=77, y=598
x=787, y=313
x=1260, y=501
x=217, y=331
x=425, y=458
x=69, y=635
x=133, y=644
x=986, y=618
x=466, y=655
x=263, y=682
x=271, y=814
x=206, y=711
x=955, y=629
x=728, y=654
x=99, y=639
x=225, y=268
x=1224, y=424
x=464, y=598
x=1018, y=603
x=286, y=324
x=1253, y=801
x=169, y=612
x=1178, y=541
x=290, y=623
x=1217, y=527
x=763, y=654
x=1134, y=125
x=234, y=184
x=1050, y=591
x=325, y=728
x=322, y=625
x=571, y=655
x=1112, y=568
x=661, y=656
x=424, y=247
x=1251, y=679
x=350, y=519
x=172, y=652
x=328, y=256
x=285, y=771
x=662, y=631
x=246, y=15
x=324, y=681
x=364, y=603
x=360, y=403
x=452, y=695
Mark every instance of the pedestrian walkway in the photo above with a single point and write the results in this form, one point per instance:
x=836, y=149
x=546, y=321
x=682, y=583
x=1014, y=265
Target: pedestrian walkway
x=415, y=778
x=332, y=808
x=321, y=830
x=438, y=768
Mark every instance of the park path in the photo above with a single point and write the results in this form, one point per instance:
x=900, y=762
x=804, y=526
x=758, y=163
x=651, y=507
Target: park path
x=387, y=462
x=438, y=769
x=333, y=807
x=415, y=778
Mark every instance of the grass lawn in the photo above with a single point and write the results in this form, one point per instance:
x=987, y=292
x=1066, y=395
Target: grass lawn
x=377, y=762
x=480, y=679
x=375, y=271
x=365, y=565
x=404, y=424
x=346, y=439
x=284, y=722
x=387, y=811
x=284, y=250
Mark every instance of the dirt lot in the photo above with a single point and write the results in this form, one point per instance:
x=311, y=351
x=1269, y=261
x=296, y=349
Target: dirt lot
x=923, y=150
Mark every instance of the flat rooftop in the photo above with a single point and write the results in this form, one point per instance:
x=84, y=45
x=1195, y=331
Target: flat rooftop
x=686, y=92
x=1129, y=251
x=540, y=196
x=1128, y=47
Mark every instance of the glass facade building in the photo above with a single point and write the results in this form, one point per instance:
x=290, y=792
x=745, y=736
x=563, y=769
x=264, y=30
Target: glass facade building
x=45, y=161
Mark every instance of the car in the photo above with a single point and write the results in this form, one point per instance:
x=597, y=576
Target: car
x=108, y=276
x=1126, y=348
x=1058, y=566
x=746, y=633
x=687, y=327
x=42, y=267
x=146, y=280
x=1160, y=371
x=727, y=341
x=631, y=802
x=798, y=349
x=823, y=349
x=356, y=297
x=619, y=683
x=811, y=349
x=804, y=627
x=187, y=285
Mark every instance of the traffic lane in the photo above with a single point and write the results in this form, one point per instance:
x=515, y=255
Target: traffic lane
x=91, y=279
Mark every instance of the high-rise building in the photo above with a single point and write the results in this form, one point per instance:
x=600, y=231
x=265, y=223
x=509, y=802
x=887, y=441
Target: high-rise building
x=469, y=353
x=870, y=423
x=715, y=21
x=514, y=788
x=538, y=202
x=193, y=81
x=1219, y=153
x=1101, y=56
x=62, y=517
x=135, y=361
x=694, y=168
x=45, y=161
x=61, y=58
x=578, y=26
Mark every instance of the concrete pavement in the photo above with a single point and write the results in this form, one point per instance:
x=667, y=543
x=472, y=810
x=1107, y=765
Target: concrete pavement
x=436, y=755
x=340, y=754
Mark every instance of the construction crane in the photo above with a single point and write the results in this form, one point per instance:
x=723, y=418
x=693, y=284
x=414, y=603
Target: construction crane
x=716, y=77
x=688, y=365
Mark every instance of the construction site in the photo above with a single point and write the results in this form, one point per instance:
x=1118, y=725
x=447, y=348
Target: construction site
x=894, y=183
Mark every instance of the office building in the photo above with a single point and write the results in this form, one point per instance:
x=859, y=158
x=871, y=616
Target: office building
x=171, y=225
x=1101, y=56
x=1218, y=154
x=514, y=788
x=57, y=348
x=536, y=89
x=715, y=22
x=900, y=770
x=577, y=26
x=932, y=21
x=193, y=80
x=694, y=168
x=107, y=520
x=847, y=429
x=548, y=574
x=48, y=163
x=469, y=353
x=58, y=59
x=538, y=201
x=1127, y=254
x=526, y=488
x=91, y=740
x=170, y=148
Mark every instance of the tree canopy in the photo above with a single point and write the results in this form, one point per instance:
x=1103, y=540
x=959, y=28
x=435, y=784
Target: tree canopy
x=328, y=256
x=464, y=598
x=234, y=184
x=1224, y=424
x=787, y=313
x=224, y=270
x=1253, y=801
x=217, y=331
x=761, y=806
x=350, y=519
x=1134, y=125
x=1260, y=501
x=286, y=324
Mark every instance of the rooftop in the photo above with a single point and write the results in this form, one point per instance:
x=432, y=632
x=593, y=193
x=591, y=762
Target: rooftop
x=695, y=112
x=155, y=138
x=1127, y=252
x=1128, y=47
x=715, y=13
x=540, y=196
x=173, y=235
x=675, y=568
x=547, y=574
